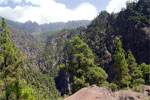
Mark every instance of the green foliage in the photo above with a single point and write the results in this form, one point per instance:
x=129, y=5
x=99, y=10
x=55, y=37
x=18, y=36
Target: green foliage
x=96, y=75
x=3, y=23
x=138, y=13
x=122, y=77
x=79, y=82
x=112, y=86
x=26, y=94
x=42, y=84
x=47, y=61
x=137, y=89
x=80, y=65
x=63, y=97
x=146, y=72
x=10, y=67
x=134, y=71
x=128, y=73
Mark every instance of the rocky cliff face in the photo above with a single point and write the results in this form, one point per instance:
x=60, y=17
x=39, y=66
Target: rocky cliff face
x=104, y=93
x=134, y=26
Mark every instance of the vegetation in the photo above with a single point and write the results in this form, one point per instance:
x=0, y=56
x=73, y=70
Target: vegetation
x=146, y=72
x=11, y=69
x=134, y=71
x=85, y=56
x=122, y=77
x=42, y=84
x=129, y=73
x=80, y=65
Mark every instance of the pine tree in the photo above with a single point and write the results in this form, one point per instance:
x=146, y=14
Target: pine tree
x=11, y=62
x=134, y=71
x=122, y=77
x=80, y=64
x=146, y=72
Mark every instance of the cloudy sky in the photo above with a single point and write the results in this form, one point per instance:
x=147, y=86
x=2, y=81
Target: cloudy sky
x=46, y=11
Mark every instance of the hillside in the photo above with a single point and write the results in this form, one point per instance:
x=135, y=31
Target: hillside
x=30, y=46
x=35, y=28
x=32, y=78
x=101, y=35
x=107, y=58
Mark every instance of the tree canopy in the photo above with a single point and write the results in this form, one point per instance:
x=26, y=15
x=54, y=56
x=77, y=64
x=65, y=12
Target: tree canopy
x=81, y=66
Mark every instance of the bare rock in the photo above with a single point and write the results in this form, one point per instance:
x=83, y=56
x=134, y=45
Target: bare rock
x=92, y=93
x=104, y=93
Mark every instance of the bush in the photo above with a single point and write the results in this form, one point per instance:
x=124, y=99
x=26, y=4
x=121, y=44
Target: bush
x=137, y=89
x=113, y=86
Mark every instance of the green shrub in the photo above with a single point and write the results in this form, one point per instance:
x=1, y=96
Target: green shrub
x=137, y=89
x=113, y=86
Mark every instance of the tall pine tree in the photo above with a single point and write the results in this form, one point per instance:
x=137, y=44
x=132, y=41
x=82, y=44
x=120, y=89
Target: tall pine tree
x=80, y=65
x=11, y=62
x=134, y=71
x=122, y=77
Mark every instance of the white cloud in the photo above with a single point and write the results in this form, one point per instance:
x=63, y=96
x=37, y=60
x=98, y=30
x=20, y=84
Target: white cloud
x=48, y=11
x=3, y=1
x=116, y=5
x=16, y=1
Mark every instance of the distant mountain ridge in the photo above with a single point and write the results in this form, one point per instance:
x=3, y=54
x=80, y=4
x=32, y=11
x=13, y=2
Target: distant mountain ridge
x=35, y=28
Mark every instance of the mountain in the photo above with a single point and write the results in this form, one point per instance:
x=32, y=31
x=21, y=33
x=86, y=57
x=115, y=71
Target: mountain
x=62, y=25
x=44, y=53
x=43, y=85
x=35, y=28
x=29, y=45
x=131, y=25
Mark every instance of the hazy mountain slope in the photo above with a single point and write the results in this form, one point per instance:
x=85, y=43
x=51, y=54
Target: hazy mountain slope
x=62, y=25
x=30, y=47
x=33, y=27
x=43, y=37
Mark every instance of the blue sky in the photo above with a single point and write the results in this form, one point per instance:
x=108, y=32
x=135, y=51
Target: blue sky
x=46, y=11
x=99, y=4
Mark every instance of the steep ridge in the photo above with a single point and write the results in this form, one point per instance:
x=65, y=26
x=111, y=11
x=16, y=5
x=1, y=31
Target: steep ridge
x=35, y=28
x=132, y=25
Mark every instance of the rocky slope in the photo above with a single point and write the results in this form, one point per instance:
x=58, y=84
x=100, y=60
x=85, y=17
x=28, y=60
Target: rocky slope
x=105, y=93
x=30, y=46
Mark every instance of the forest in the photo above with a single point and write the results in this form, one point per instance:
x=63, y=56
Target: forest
x=112, y=51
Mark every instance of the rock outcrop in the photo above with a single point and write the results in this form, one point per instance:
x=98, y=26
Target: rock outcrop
x=105, y=93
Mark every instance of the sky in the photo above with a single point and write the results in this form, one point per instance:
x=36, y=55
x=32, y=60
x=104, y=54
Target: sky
x=47, y=11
